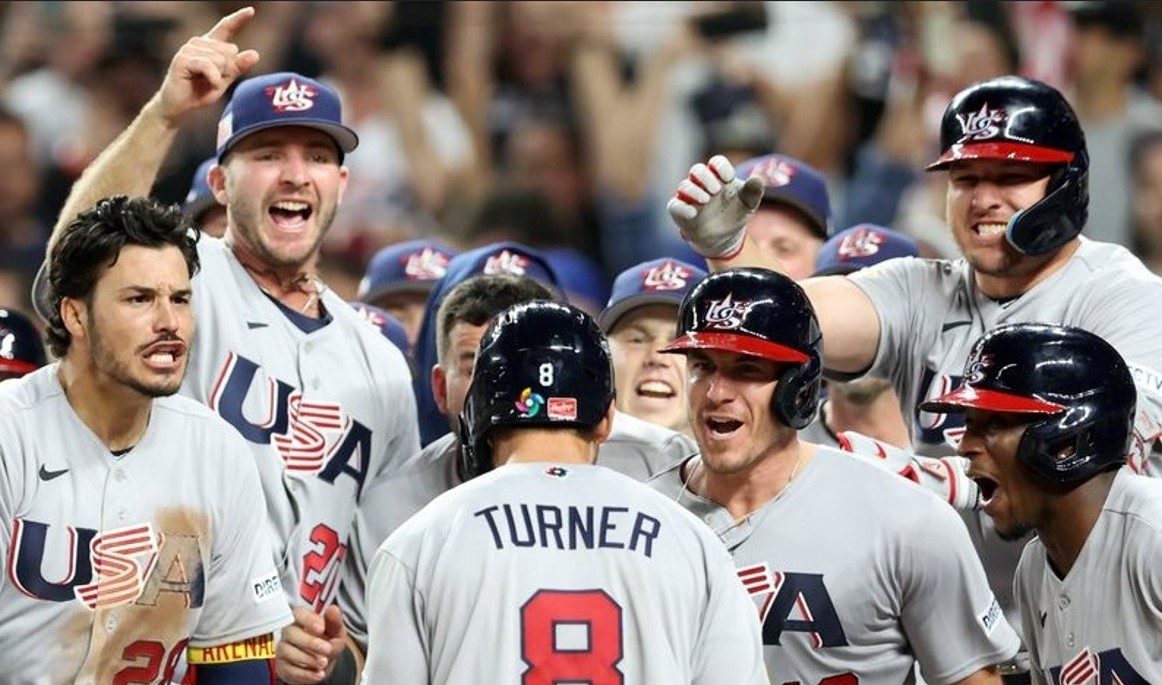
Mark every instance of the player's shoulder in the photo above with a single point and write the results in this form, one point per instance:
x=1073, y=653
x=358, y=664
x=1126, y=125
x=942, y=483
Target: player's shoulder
x=866, y=484
x=384, y=359
x=641, y=449
x=26, y=393
x=1138, y=499
x=1109, y=264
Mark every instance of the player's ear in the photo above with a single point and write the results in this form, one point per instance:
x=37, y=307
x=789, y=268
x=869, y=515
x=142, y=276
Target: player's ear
x=440, y=388
x=217, y=181
x=604, y=427
x=74, y=314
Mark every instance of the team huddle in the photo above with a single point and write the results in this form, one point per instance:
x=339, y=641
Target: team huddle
x=226, y=475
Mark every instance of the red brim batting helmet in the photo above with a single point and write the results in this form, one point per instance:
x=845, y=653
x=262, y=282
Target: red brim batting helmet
x=1010, y=118
x=764, y=314
x=1076, y=388
x=968, y=397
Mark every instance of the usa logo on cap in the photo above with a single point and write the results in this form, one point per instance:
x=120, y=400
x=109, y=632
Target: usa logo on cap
x=775, y=172
x=668, y=276
x=506, y=263
x=291, y=97
x=863, y=242
x=425, y=265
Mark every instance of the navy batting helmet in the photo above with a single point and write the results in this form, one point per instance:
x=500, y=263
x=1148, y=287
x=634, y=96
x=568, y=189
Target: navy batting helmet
x=1075, y=385
x=541, y=363
x=1015, y=118
x=21, y=347
x=765, y=314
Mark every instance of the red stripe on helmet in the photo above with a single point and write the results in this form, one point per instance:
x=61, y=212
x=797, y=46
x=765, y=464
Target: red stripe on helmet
x=1017, y=152
x=17, y=366
x=742, y=343
x=968, y=397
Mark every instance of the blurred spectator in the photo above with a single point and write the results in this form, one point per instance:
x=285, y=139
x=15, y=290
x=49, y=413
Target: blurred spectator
x=399, y=278
x=1146, y=170
x=200, y=205
x=1107, y=54
x=22, y=234
x=414, y=147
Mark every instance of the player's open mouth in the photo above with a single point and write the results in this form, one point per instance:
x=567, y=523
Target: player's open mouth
x=990, y=229
x=289, y=214
x=722, y=428
x=988, y=488
x=659, y=390
x=164, y=355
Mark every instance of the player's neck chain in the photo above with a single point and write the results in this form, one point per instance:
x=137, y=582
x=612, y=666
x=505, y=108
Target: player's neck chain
x=690, y=483
x=308, y=284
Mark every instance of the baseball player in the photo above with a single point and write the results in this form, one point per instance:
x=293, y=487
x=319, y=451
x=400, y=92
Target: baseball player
x=323, y=399
x=634, y=447
x=867, y=405
x=21, y=348
x=200, y=206
x=546, y=568
x=639, y=319
x=399, y=278
x=1017, y=201
x=504, y=257
x=1049, y=412
x=132, y=530
x=856, y=573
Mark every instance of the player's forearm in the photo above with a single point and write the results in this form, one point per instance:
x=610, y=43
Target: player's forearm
x=128, y=166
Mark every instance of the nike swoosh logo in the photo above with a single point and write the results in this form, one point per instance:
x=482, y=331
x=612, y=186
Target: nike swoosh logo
x=955, y=324
x=256, y=324
x=1043, y=617
x=47, y=475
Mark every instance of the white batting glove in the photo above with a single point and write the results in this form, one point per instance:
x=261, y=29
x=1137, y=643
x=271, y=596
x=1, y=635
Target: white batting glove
x=946, y=476
x=711, y=208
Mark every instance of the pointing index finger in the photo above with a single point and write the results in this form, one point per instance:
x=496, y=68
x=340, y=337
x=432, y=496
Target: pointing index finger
x=231, y=24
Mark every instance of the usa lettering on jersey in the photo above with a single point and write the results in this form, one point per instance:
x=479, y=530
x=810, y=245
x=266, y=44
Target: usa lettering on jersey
x=1108, y=667
x=793, y=602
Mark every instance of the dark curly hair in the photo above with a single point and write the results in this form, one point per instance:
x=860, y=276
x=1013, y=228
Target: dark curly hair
x=93, y=241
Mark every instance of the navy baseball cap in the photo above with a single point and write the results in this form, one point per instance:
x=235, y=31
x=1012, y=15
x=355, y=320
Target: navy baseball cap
x=861, y=246
x=200, y=198
x=789, y=181
x=412, y=266
x=660, y=281
x=282, y=99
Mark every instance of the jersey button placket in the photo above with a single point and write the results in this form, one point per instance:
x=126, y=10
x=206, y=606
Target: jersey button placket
x=1062, y=607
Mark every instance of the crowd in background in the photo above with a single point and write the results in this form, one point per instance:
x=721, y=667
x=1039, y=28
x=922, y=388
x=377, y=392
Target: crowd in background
x=566, y=125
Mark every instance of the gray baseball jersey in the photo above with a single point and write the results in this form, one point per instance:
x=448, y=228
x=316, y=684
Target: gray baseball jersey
x=857, y=574
x=923, y=347
x=116, y=567
x=546, y=573
x=636, y=448
x=326, y=411
x=1100, y=623
x=924, y=344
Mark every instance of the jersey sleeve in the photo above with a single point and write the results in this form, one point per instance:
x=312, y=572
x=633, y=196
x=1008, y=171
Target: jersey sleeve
x=397, y=650
x=352, y=594
x=953, y=621
x=244, y=596
x=887, y=285
x=729, y=648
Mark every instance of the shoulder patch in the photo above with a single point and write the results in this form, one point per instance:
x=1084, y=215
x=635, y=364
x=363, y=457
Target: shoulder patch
x=265, y=587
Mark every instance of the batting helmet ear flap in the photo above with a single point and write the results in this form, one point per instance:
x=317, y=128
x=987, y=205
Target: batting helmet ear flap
x=796, y=397
x=1058, y=452
x=1055, y=219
